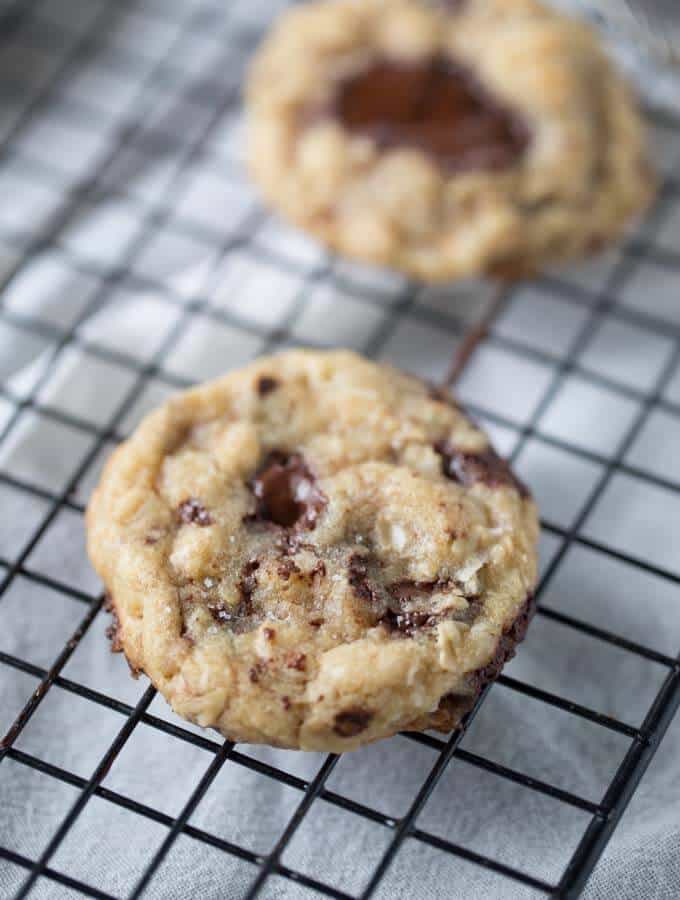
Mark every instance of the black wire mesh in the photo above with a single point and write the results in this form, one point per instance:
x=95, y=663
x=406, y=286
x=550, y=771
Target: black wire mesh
x=64, y=39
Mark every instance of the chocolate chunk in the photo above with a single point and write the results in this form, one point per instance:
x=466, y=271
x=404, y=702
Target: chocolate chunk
x=269, y=634
x=399, y=617
x=296, y=661
x=266, y=384
x=286, y=703
x=223, y=615
x=235, y=615
x=255, y=671
x=438, y=107
x=358, y=578
x=415, y=590
x=287, y=567
x=289, y=543
x=468, y=468
x=352, y=721
x=192, y=512
x=247, y=585
x=407, y=622
x=286, y=492
x=319, y=569
x=506, y=647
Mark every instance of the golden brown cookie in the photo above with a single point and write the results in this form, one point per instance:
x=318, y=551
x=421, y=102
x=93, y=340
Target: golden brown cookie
x=315, y=551
x=446, y=139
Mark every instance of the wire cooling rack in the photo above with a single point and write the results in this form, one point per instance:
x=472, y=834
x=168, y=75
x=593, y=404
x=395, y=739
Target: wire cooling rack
x=118, y=122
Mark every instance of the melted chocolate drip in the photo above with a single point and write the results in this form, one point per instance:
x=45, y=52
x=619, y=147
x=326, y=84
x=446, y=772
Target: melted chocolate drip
x=286, y=492
x=438, y=107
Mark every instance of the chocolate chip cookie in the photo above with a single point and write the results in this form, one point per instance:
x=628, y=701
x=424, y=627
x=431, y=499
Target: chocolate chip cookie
x=446, y=139
x=314, y=552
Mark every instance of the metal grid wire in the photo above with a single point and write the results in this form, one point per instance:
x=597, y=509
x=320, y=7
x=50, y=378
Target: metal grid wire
x=169, y=61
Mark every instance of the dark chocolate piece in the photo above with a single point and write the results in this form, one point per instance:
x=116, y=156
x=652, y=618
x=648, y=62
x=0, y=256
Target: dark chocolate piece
x=506, y=647
x=468, y=468
x=438, y=107
x=224, y=615
x=319, y=569
x=287, y=567
x=266, y=384
x=296, y=661
x=358, y=579
x=247, y=585
x=352, y=721
x=192, y=512
x=452, y=707
x=286, y=492
x=235, y=616
x=407, y=622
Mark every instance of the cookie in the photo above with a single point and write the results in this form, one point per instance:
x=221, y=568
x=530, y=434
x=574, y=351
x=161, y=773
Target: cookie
x=446, y=139
x=314, y=552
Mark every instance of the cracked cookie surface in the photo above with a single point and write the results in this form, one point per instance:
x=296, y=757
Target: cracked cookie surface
x=315, y=552
x=446, y=139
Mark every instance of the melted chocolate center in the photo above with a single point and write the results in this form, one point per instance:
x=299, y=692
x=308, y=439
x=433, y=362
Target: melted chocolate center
x=286, y=491
x=437, y=107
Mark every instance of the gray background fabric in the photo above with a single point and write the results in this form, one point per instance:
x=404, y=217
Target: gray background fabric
x=161, y=210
